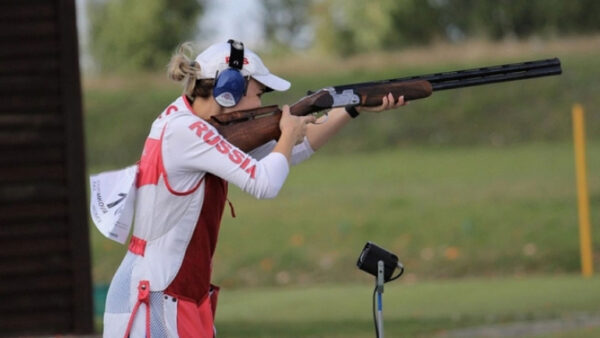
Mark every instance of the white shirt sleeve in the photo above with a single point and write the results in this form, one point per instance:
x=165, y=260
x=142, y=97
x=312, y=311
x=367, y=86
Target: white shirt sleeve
x=190, y=144
x=261, y=151
x=300, y=152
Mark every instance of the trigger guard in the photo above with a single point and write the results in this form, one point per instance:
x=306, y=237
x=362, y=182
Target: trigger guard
x=322, y=122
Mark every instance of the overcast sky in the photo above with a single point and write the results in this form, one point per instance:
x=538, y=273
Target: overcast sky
x=222, y=20
x=229, y=19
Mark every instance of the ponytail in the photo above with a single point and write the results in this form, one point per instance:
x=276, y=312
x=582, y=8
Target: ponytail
x=182, y=68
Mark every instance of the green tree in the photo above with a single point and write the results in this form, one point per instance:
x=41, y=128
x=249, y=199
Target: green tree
x=351, y=26
x=286, y=23
x=137, y=35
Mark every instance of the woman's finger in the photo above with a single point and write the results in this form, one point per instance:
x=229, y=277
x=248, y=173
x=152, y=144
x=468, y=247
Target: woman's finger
x=400, y=102
x=309, y=119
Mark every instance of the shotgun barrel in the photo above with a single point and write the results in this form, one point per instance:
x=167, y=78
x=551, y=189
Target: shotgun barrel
x=478, y=76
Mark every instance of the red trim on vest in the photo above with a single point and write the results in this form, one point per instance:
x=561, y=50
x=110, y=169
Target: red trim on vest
x=193, y=278
x=151, y=166
x=187, y=103
x=143, y=297
x=137, y=246
x=148, y=170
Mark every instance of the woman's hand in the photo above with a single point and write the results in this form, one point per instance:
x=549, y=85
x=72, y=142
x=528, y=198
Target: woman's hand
x=294, y=126
x=388, y=102
x=293, y=130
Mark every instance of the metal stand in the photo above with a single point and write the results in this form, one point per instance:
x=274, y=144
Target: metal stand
x=380, y=281
x=373, y=260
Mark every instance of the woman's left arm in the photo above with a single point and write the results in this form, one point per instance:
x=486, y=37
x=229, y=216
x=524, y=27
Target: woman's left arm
x=319, y=133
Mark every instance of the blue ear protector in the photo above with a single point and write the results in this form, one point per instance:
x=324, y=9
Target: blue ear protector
x=230, y=84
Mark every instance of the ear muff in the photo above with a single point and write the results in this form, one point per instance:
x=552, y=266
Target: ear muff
x=230, y=84
x=229, y=87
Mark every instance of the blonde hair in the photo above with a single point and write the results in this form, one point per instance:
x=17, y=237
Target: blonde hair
x=182, y=68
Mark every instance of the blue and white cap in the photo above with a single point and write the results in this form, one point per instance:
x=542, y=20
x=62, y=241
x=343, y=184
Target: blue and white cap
x=215, y=59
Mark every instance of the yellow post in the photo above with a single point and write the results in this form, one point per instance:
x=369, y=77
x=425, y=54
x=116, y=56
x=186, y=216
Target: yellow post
x=585, y=238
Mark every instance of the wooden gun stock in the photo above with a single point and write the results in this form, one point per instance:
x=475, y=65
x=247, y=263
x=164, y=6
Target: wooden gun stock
x=248, y=129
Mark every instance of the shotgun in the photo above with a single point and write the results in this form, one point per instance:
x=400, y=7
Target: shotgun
x=248, y=129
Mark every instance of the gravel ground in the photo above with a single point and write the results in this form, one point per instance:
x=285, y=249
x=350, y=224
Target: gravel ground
x=529, y=328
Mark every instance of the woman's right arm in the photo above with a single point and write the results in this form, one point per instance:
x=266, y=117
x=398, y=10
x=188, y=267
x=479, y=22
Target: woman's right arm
x=191, y=144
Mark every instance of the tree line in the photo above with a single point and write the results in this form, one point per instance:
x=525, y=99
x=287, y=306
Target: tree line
x=139, y=34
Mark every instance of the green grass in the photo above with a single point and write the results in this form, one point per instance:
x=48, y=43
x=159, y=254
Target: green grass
x=411, y=309
x=446, y=211
x=491, y=205
x=420, y=309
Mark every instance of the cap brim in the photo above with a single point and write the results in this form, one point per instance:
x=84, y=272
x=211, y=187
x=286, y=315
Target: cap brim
x=273, y=82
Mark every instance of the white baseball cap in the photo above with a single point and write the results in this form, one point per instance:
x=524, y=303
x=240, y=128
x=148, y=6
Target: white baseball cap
x=215, y=59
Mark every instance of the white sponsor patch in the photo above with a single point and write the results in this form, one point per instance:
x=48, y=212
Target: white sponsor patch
x=112, y=202
x=225, y=99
